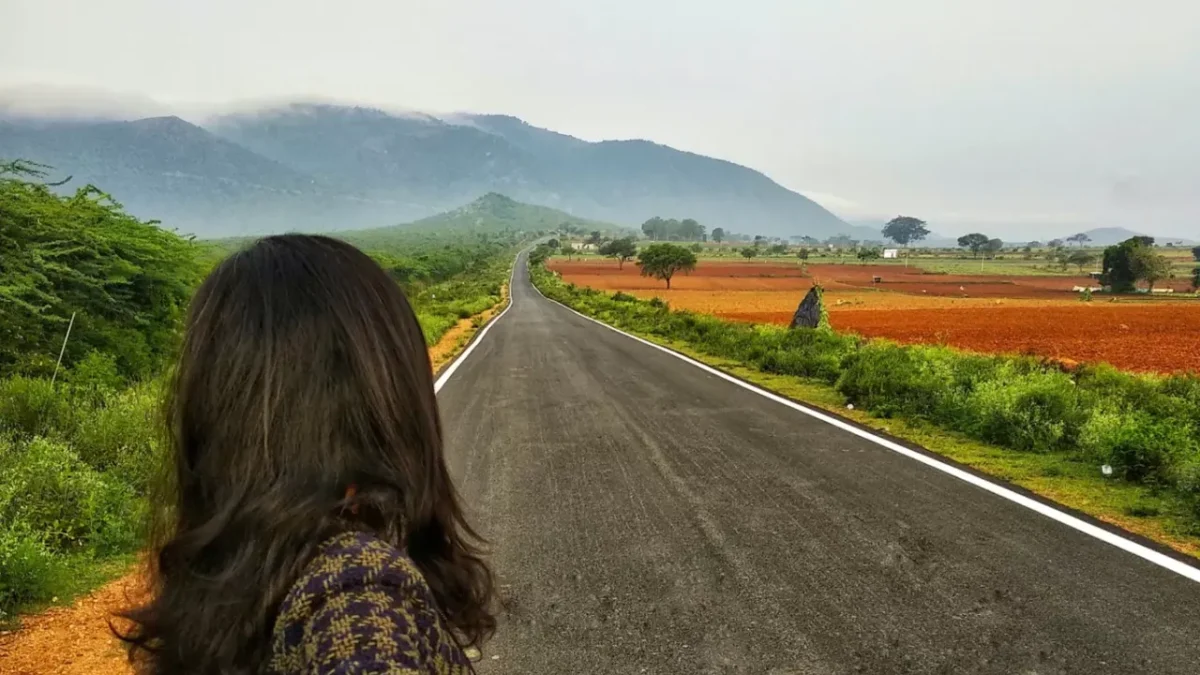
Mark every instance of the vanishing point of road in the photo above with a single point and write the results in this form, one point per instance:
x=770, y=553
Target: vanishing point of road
x=647, y=516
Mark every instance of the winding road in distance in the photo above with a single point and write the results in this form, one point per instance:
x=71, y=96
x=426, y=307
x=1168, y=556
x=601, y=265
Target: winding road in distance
x=647, y=516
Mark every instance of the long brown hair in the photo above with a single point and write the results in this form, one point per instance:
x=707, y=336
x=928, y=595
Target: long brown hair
x=303, y=372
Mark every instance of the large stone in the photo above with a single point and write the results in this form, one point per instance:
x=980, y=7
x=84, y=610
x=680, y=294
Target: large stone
x=808, y=314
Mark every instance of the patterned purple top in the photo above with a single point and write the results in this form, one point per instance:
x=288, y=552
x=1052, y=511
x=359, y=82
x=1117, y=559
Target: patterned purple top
x=362, y=606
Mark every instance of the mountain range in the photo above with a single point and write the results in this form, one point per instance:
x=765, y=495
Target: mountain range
x=331, y=167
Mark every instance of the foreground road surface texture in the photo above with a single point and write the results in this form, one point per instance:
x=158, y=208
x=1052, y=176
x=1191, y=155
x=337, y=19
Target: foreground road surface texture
x=649, y=517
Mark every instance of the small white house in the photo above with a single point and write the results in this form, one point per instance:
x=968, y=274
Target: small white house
x=891, y=253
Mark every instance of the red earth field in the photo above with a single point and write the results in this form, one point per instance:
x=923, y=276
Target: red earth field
x=1004, y=314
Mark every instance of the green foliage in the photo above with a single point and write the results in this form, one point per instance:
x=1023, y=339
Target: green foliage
x=125, y=280
x=669, y=229
x=869, y=254
x=1146, y=427
x=1131, y=261
x=620, y=250
x=974, y=241
x=1081, y=259
x=1196, y=253
x=663, y=261
x=718, y=235
x=749, y=252
x=905, y=229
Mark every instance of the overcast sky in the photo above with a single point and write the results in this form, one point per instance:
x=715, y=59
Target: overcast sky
x=1011, y=113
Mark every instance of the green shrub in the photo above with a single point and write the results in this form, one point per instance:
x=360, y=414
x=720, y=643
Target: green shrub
x=29, y=572
x=46, y=489
x=1032, y=411
x=894, y=380
x=31, y=406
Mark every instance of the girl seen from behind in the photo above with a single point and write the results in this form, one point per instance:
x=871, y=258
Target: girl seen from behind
x=309, y=523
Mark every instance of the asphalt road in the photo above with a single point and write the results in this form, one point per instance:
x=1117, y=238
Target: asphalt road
x=649, y=517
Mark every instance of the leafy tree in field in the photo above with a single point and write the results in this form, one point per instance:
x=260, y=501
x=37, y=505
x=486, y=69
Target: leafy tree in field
x=777, y=249
x=904, y=230
x=1131, y=261
x=993, y=246
x=696, y=248
x=869, y=254
x=1033, y=245
x=1081, y=259
x=1080, y=239
x=759, y=240
x=539, y=254
x=1196, y=253
x=749, y=252
x=662, y=261
x=569, y=251
x=1150, y=267
x=718, y=234
x=126, y=281
x=620, y=249
x=802, y=254
x=974, y=241
x=1196, y=279
x=553, y=243
x=1055, y=243
x=595, y=238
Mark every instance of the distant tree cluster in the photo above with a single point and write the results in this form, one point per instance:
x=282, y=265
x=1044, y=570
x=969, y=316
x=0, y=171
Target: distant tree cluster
x=669, y=229
x=1131, y=261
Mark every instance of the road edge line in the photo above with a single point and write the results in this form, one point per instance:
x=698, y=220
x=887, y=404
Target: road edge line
x=1142, y=551
x=458, y=360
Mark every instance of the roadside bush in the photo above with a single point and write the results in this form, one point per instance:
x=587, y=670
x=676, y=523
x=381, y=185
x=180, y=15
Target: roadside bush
x=1032, y=411
x=30, y=406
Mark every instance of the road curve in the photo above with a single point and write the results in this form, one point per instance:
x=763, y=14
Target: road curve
x=649, y=517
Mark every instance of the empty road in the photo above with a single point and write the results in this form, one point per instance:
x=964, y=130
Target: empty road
x=647, y=516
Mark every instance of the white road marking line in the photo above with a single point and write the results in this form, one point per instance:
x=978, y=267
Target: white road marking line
x=458, y=361
x=1148, y=554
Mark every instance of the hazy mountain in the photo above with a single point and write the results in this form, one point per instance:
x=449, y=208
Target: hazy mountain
x=328, y=167
x=440, y=162
x=491, y=213
x=191, y=179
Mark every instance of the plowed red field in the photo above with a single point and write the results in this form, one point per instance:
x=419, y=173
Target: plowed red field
x=1002, y=314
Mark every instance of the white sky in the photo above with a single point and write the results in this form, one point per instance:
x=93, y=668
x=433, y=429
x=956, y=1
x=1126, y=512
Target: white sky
x=1014, y=113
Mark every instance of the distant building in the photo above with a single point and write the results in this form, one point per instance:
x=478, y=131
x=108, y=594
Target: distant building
x=891, y=253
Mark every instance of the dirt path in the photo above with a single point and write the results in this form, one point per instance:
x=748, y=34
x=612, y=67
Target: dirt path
x=76, y=639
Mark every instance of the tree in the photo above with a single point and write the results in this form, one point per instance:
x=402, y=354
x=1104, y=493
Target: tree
x=759, y=240
x=1081, y=259
x=1080, y=239
x=974, y=241
x=777, y=249
x=869, y=254
x=662, y=261
x=1196, y=280
x=1126, y=263
x=619, y=249
x=993, y=246
x=1196, y=253
x=1033, y=245
x=568, y=250
x=718, y=234
x=904, y=230
x=553, y=243
x=748, y=252
x=595, y=238
x=1055, y=243
x=802, y=254
x=1150, y=267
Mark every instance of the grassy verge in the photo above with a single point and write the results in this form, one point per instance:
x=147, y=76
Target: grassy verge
x=1023, y=421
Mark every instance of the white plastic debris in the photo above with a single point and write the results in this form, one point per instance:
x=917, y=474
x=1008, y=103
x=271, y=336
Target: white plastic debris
x=1106, y=470
x=849, y=406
